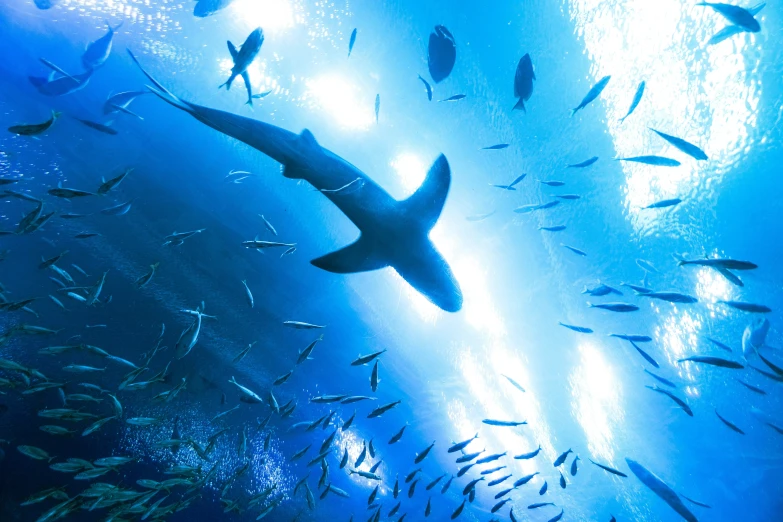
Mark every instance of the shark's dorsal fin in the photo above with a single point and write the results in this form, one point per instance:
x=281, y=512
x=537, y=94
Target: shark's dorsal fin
x=428, y=200
x=359, y=256
x=309, y=148
x=232, y=50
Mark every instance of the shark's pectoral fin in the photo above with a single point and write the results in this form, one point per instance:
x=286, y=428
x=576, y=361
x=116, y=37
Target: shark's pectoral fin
x=427, y=202
x=360, y=256
x=232, y=50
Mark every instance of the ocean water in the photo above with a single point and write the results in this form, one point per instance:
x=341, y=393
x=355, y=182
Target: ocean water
x=585, y=392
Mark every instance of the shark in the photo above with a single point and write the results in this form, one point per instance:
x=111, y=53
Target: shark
x=393, y=233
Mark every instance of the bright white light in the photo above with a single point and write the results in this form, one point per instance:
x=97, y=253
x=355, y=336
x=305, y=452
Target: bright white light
x=411, y=171
x=270, y=15
x=596, y=401
x=342, y=101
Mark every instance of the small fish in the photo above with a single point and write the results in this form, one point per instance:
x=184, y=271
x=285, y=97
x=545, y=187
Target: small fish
x=499, y=146
x=305, y=353
x=34, y=129
x=298, y=325
x=491, y=458
x=660, y=488
x=552, y=183
x=580, y=329
x=615, y=307
x=351, y=42
x=397, y=436
x=494, y=422
x=377, y=412
x=563, y=482
x=512, y=185
x=248, y=293
x=499, y=505
x=610, y=470
x=583, y=164
x=736, y=15
x=673, y=397
x=574, y=466
x=530, y=455
x=118, y=210
x=575, y=250
x=554, y=228
x=601, y=290
x=731, y=426
x=658, y=161
x=514, y=383
x=428, y=87
x=377, y=106
x=562, y=458
x=100, y=127
x=364, y=359
x=747, y=307
x=374, y=379
x=752, y=388
x=660, y=379
x=682, y=145
x=454, y=98
x=144, y=280
x=594, y=92
x=524, y=480
x=261, y=95
x=526, y=209
x=423, y=454
x=713, y=361
x=68, y=193
x=665, y=203
x=644, y=354
x=637, y=97
x=540, y=505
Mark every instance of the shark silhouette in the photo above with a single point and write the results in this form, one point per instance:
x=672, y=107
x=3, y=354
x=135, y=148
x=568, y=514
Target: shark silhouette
x=393, y=233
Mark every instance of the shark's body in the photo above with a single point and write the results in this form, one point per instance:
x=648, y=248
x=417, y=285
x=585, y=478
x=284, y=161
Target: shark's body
x=393, y=233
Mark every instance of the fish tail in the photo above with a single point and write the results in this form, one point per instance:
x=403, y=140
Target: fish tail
x=56, y=114
x=573, y=111
x=520, y=105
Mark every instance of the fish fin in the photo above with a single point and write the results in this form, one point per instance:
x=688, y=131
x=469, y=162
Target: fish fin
x=159, y=90
x=520, y=106
x=427, y=202
x=359, y=256
x=246, y=79
x=233, y=50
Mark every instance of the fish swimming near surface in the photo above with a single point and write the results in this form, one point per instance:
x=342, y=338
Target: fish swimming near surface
x=660, y=488
x=713, y=361
x=53, y=85
x=601, y=290
x=609, y=469
x=748, y=307
x=671, y=297
x=512, y=185
x=594, y=92
x=377, y=106
x=206, y=8
x=118, y=210
x=523, y=82
x=529, y=455
x=553, y=228
x=108, y=186
x=658, y=161
x=495, y=422
x=574, y=250
x=243, y=58
x=725, y=263
x=456, y=97
x=393, y=233
x=514, y=383
x=441, y=53
x=736, y=15
x=100, y=127
x=673, y=397
x=615, y=307
x=660, y=379
x=731, y=30
x=499, y=146
x=34, y=129
x=119, y=102
x=352, y=42
x=98, y=52
x=637, y=97
x=646, y=355
x=730, y=425
x=664, y=203
x=580, y=329
x=684, y=146
x=583, y=164
x=427, y=86
x=633, y=337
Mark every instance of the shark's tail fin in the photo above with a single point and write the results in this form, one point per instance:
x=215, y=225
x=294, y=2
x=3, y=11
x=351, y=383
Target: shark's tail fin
x=159, y=90
x=427, y=202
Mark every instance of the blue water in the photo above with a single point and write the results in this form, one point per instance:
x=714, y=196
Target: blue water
x=583, y=391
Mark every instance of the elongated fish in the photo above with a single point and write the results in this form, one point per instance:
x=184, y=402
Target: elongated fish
x=529, y=455
x=646, y=355
x=637, y=97
x=242, y=59
x=100, y=127
x=747, y=307
x=583, y=164
x=377, y=107
x=615, y=307
x=580, y=329
x=660, y=488
x=523, y=82
x=494, y=422
x=736, y=15
x=118, y=210
x=514, y=383
x=633, y=338
x=730, y=425
x=671, y=297
x=660, y=379
x=684, y=146
x=427, y=87
x=499, y=146
x=352, y=42
x=664, y=203
x=594, y=92
x=34, y=129
x=713, y=361
x=658, y=161
x=673, y=397
x=456, y=97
